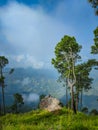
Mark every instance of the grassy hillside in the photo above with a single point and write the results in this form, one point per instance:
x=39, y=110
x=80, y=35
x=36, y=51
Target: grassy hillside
x=43, y=120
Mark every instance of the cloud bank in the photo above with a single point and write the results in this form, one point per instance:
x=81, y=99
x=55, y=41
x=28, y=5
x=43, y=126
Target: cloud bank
x=29, y=35
x=32, y=97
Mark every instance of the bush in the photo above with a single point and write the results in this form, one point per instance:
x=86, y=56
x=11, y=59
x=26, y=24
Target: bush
x=94, y=112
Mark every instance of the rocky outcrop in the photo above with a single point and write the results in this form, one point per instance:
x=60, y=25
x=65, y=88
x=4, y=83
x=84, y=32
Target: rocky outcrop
x=49, y=103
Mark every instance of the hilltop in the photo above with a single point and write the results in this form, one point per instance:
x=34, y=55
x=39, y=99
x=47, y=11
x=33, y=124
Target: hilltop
x=63, y=119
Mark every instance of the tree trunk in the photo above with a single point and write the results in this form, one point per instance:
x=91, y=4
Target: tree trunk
x=77, y=100
x=16, y=107
x=66, y=97
x=0, y=108
x=73, y=107
x=2, y=85
x=3, y=99
x=81, y=99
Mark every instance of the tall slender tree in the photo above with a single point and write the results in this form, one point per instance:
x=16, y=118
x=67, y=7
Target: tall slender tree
x=18, y=101
x=84, y=80
x=3, y=62
x=67, y=54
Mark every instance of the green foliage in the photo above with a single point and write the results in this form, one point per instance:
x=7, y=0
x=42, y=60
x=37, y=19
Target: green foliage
x=94, y=112
x=95, y=46
x=76, y=75
x=44, y=120
x=66, y=56
x=11, y=71
x=18, y=98
x=66, y=51
x=94, y=4
x=82, y=74
x=85, y=110
x=18, y=101
x=3, y=61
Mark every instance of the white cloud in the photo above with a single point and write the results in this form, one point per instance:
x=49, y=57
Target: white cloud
x=26, y=81
x=25, y=61
x=19, y=58
x=29, y=35
x=32, y=97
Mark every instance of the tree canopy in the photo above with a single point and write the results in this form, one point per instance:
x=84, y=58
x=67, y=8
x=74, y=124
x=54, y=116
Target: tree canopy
x=76, y=75
x=67, y=54
x=18, y=101
x=94, y=4
x=94, y=48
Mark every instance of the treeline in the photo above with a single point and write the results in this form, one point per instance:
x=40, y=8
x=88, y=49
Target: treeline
x=74, y=73
x=76, y=76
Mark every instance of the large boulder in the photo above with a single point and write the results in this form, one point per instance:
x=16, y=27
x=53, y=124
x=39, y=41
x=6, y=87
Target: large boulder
x=50, y=103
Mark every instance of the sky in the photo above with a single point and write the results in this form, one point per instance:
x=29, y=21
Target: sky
x=30, y=29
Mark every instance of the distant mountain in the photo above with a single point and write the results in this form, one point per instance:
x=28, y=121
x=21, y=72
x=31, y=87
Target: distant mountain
x=32, y=83
x=90, y=101
x=28, y=81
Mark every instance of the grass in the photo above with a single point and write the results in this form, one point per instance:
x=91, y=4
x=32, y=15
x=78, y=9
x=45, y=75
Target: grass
x=43, y=120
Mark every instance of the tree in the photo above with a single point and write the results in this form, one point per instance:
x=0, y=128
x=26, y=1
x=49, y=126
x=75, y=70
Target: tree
x=65, y=84
x=85, y=110
x=94, y=48
x=66, y=52
x=94, y=112
x=18, y=101
x=83, y=80
x=94, y=4
x=3, y=62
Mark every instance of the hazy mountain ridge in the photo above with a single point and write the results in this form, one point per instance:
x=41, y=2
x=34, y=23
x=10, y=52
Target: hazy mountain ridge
x=34, y=82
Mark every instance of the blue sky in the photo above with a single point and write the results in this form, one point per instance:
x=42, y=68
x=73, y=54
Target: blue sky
x=30, y=29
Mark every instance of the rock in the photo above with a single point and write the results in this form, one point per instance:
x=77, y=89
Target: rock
x=50, y=103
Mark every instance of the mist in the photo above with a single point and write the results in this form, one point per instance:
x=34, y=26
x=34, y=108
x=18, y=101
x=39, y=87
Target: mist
x=30, y=98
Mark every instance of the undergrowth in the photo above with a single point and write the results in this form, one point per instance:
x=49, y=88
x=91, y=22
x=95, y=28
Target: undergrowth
x=44, y=120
